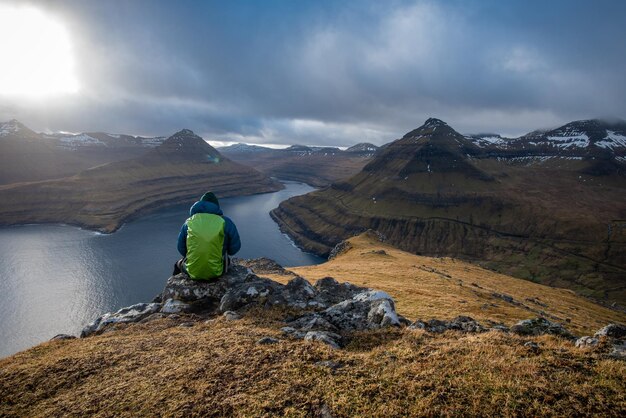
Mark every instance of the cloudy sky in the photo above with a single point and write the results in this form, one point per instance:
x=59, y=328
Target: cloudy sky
x=315, y=72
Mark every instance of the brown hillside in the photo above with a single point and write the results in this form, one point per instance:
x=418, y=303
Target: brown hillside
x=217, y=368
x=104, y=197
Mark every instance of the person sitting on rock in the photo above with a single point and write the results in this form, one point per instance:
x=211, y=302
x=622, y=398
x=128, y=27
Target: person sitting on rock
x=206, y=240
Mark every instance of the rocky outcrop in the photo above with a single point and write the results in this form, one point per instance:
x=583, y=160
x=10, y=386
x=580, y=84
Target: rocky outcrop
x=328, y=310
x=460, y=323
x=612, y=337
x=134, y=313
x=540, y=326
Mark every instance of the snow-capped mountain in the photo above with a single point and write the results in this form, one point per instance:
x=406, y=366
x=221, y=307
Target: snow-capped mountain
x=574, y=137
x=241, y=147
x=15, y=128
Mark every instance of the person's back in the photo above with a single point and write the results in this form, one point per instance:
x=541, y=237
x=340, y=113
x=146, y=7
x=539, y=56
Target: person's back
x=206, y=240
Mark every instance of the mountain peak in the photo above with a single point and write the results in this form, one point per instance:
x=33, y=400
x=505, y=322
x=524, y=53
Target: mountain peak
x=185, y=144
x=431, y=126
x=434, y=123
x=13, y=127
x=183, y=133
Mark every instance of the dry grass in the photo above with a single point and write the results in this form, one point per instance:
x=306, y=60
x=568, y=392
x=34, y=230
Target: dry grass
x=215, y=368
x=442, y=288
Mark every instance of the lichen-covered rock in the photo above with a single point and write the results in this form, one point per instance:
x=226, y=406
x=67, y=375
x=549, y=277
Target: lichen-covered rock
x=612, y=331
x=231, y=316
x=203, y=295
x=330, y=291
x=300, y=293
x=540, y=326
x=460, y=323
x=253, y=291
x=265, y=265
x=132, y=313
x=172, y=306
x=325, y=337
x=586, y=341
x=328, y=309
x=366, y=310
x=618, y=350
x=341, y=248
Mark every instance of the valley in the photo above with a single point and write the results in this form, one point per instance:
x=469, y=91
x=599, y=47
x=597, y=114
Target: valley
x=316, y=166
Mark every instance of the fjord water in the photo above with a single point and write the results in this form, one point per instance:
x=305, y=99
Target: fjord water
x=55, y=279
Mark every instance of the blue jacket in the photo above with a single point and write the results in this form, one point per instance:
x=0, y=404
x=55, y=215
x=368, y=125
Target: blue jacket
x=232, y=243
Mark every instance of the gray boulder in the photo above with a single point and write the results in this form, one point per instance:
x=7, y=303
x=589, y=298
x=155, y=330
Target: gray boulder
x=202, y=295
x=366, y=310
x=327, y=338
x=540, y=326
x=172, y=306
x=586, y=342
x=460, y=323
x=129, y=314
x=618, y=350
x=330, y=291
x=612, y=331
x=299, y=293
x=253, y=290
x=329, y=309
x=231, y=316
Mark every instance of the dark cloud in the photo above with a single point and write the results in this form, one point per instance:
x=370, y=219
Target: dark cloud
x=336, y=72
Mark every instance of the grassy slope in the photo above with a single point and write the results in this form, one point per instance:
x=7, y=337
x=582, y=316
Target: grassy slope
x=542, y=224
x=215, y=368
x=106, y=196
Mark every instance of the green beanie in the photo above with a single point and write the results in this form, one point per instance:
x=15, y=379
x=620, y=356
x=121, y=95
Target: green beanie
x=210, y=197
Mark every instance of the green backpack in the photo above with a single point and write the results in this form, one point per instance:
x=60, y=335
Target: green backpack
x=205, y=244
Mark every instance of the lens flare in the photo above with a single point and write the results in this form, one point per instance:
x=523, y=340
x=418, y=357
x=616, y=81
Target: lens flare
x=36, y=57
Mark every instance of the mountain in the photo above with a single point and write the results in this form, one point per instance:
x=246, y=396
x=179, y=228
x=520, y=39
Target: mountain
x=15, y=128
x=241, y=147
x=363, y=148
x=178, y=171
x=26, y=155
x=460, y=349
x=317, y=166
x=102, y=140
x=541, y=214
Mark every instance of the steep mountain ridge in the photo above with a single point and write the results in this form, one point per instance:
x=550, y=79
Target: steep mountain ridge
x=105, y=196
x=576, y=135
x=436, y=192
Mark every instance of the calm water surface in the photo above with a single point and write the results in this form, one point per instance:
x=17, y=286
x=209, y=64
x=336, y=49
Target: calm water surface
x=55, y=279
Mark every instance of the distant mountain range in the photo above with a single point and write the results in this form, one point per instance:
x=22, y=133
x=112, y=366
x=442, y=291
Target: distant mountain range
x=26, y=155
x=317, y=166
x=548, y=206
x=177, y=171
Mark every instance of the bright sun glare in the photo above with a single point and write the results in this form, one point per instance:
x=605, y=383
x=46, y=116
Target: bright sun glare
x=36, y=57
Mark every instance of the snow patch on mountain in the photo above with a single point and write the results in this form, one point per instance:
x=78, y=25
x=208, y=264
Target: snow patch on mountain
x=612, y=140
x=10, y=127
x=488, y=141
x=572, y=139
x=73, y=142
